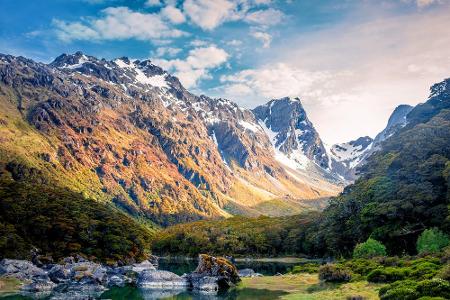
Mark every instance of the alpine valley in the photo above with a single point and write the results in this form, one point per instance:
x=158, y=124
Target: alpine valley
x=128, y=133
x=104, y=162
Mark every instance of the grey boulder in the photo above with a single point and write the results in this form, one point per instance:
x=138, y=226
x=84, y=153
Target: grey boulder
x=156, y=279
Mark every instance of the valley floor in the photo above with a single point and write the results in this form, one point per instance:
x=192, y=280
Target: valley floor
x=308, y=287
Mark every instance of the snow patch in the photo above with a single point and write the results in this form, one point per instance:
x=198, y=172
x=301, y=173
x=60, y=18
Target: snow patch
x=250, y=126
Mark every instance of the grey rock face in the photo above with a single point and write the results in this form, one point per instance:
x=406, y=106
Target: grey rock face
x=346, y=157
x=21, y=269
x=396, y=121
x=39, y=286
x=157, y=279
x=208, y=284
x=143, y=266
x=60, y=273
x=291, y=129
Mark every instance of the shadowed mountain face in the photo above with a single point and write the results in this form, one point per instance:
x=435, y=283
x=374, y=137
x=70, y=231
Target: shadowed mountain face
x=127, y=132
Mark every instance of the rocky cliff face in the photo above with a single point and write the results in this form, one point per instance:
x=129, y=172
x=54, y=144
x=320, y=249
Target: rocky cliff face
x=396, y=121
x=291, y=133
x=128, y=132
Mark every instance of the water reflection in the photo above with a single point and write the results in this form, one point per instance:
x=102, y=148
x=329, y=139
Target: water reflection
x=183, y=265
x=232, y=294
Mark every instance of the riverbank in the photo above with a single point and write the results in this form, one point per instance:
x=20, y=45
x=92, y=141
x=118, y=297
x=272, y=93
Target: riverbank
x=308, y=287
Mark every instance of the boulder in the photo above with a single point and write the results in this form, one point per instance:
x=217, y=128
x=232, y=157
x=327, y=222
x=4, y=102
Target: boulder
x=248, y=273
x=39, y=286
x=213, y=274
x=157, y=279
x=143, y=266
x=118, y=280
x=87, y=271
x=20, y=269
x=154, y=260
x=60, y=273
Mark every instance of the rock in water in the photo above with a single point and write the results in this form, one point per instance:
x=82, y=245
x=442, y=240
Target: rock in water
x=20, y=269
x=157, y=279
x=248, y=273
x=143, y=266
x=213, y=274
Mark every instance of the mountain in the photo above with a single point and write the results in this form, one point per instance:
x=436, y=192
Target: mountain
x=346, y=157
x=127, y=132
x=396, y=121
x=403, y=189
x=291, y=133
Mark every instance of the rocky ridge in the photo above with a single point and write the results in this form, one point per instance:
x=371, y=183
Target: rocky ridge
x=127, y=131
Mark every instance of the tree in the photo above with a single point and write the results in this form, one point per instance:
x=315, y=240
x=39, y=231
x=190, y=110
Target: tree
x=369, y=249
x=431, y=241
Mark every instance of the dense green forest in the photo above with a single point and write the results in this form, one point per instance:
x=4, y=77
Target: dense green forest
x=403, y=190
x=60, y=223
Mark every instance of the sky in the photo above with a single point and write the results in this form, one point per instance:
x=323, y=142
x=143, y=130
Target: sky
x=351, y=62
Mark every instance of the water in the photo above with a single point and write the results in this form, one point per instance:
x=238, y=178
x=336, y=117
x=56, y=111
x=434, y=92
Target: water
x=181, y=266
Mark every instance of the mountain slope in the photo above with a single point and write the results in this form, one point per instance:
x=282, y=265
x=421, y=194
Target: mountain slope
x=128, y=132
x=404, y=187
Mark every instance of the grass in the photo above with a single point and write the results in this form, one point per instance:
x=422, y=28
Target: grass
x=8, y=286
x=308, y=287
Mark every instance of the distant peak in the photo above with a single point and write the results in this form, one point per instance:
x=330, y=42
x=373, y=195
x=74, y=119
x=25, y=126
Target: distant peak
x=440, y=88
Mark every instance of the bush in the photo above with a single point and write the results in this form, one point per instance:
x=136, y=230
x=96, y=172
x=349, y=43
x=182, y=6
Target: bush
x=432, y=241
x=334, y=273
x=306, y=268
x=369, y=249
x=389, y=274
x=361, y=266
x=424, y=270
x=444, y=273
x=399, y=290
x=411, y=290
x=434, y=288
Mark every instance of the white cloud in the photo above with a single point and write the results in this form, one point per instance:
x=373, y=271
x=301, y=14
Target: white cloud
x=173, y=14
x=423, y=3
x=208, y=14
x=153, y=3
x=267, y=17
x=118, y=23
x=234, y=43
x=196, y=66
x=167, y=51
x=273, y=81
x=264, y=37
x=351, y=76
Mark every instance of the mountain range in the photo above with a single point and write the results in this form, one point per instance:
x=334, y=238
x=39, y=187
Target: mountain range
x=127, y=132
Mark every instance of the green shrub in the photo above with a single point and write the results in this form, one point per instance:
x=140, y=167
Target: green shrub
x=434, y=288
x=334, y=273
x=361, y=266
x=424, y=270
x=432, y=241
x=411, y=290
x=399, y=290
x=306, y=268
x=444, y=273
x=369, y=249
x=389, y=274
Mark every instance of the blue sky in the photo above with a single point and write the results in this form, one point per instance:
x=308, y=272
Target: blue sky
x=351, y=61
